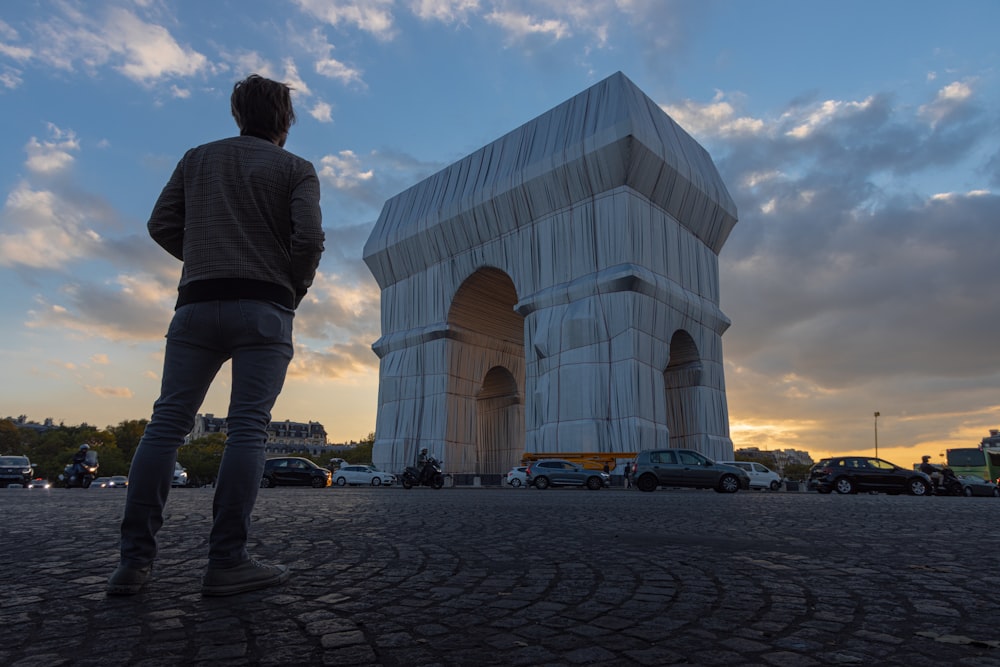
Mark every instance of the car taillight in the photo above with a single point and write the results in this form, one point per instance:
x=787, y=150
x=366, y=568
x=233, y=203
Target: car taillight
x=527, y=471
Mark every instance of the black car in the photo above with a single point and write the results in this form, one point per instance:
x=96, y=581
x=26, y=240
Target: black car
x=853, y=474
x=294, y=471
x=15, y=470
x=973, y=485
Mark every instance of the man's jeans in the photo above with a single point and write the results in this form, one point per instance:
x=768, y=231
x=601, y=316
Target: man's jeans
x=257, y=336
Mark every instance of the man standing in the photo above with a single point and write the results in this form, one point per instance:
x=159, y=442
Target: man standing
x=243, y=216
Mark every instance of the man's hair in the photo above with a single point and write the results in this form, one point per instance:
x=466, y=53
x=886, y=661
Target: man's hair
x=262, y=107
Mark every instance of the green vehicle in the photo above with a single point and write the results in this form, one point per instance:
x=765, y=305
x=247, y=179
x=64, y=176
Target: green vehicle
x=979, y=461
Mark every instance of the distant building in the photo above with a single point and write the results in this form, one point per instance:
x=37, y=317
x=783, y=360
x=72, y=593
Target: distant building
x=779, y=457
x=206, y=425
x=283, y=437
x=993, y=440
x=21, y=421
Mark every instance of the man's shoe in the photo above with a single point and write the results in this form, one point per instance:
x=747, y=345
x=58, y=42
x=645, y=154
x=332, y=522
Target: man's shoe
x=127, y=580
x=248, y=576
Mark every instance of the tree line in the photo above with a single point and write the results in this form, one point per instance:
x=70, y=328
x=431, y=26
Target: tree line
x=52, y=449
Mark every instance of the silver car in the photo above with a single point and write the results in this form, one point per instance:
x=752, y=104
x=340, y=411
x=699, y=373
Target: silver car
x=685, y=468
x=558, y=472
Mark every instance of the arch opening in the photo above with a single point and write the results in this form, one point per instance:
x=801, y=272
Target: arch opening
x=681, y=380
x=487, y=374
x=500, y=423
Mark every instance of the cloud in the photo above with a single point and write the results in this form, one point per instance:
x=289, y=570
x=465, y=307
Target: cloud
x=445, y=11
x=341, y=316
x=126, y=309
x=949, y=99
x=149, y=51
x=10, y=78
x=367, y=181
x=718, y=118
x=314, y=43
x=141, y=51
x=40, y=230
x=109, y=392
x=518, y=25
x=7, y=31
x=19, y=53
x=344, y=170
x=846, y=285
x=825, y=113
x=322, y=112
x=47, y=157
x=334, y=69
x=371, y=16
x=292, y=78
x=250, y=62
x=14, y=52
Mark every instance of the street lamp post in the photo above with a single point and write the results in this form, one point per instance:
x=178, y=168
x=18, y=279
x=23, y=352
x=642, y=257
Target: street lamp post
x=876, y=433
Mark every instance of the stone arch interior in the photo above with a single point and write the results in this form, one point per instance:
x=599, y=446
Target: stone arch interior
x=681, y=380
x=485, y=304
x=487, y=371
x=500, y=420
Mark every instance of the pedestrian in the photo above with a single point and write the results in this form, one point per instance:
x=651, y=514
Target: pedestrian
x=628, y=478
x=243, y=216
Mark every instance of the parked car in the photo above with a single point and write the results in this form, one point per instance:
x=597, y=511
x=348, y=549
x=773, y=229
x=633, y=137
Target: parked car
x=294, y=471
x=516, y=477
x=557, y=472
x=853, y=474
x=15, y=470
x=653, y=468
x=118, y=482
x=180, y=475
x=39, y=483
x=973, y=485
x=761, y=477
x=358, y=474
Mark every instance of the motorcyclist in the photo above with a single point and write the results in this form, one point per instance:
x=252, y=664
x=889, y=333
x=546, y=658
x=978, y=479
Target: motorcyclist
x=79, y=458
x=422, y=460
x=84, y=462
x=927, y=467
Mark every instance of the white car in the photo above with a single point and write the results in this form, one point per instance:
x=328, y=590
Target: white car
x=516, y=477
x=761, y=477
x=180, y=475
x=356, y=474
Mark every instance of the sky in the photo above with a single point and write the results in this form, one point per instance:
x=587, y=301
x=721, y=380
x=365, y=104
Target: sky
x=860, y=141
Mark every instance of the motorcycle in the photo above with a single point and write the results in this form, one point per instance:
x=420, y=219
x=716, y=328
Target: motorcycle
x=948, y=484
x=430, y=476
x=80, y=474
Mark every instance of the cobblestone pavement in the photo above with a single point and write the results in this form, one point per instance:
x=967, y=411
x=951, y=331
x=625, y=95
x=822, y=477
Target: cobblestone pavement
x=516, y=577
